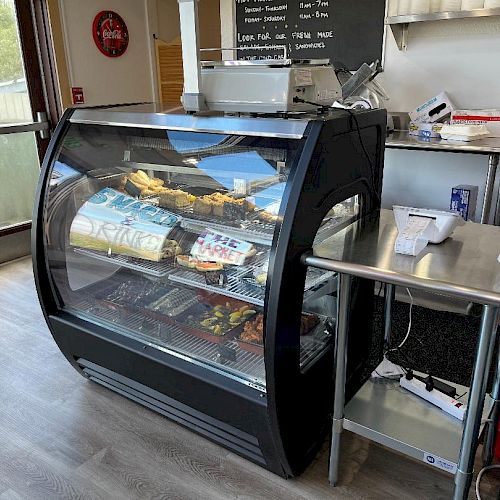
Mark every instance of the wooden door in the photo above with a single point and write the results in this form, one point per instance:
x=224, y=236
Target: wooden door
x=170, y=72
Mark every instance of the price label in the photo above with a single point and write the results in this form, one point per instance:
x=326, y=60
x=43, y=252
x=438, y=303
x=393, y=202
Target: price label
x=240, y=186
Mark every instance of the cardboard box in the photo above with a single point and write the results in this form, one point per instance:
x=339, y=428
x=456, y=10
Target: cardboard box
x=433, y=110
x=464, y=201
x=425, y=130
x=488, y=117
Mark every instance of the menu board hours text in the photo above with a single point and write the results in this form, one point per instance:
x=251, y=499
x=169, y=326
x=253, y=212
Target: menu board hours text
x=344, y=31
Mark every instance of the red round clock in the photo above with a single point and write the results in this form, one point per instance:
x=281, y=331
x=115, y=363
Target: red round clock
x=110, y=33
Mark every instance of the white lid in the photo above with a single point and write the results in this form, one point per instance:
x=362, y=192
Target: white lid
x=467, y=130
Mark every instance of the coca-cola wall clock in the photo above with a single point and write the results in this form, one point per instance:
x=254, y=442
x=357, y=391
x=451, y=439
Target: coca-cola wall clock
x=110, y=33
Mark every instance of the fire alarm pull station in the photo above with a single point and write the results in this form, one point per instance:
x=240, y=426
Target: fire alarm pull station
x=77, y=95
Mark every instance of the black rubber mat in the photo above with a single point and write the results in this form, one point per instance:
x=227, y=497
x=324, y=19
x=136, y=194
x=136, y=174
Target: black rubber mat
x=440, y=343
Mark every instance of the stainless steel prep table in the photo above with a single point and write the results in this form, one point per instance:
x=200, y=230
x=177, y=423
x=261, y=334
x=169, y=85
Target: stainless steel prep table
x=463, y=266
x=401, y=139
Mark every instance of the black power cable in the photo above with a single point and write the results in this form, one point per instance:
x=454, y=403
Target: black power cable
x=353, y=116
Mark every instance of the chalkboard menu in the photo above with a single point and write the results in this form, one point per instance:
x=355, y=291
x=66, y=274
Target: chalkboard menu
x=347, y=31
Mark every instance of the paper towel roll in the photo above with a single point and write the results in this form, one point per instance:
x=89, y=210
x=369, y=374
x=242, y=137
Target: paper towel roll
x=473, y=4
x=420, y=6
x=450, y=5
x=404, y=7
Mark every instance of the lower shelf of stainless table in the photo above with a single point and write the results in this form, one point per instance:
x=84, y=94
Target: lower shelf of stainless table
x=385, y=413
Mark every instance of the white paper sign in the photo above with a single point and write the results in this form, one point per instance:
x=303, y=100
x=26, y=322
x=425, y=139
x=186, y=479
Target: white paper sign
x=303, y=77
x=412, y=240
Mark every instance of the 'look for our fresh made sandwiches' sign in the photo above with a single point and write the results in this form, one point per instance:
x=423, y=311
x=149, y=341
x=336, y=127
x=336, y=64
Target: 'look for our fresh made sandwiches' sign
x=111, y=221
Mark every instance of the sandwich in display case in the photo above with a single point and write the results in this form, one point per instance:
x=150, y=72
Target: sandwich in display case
x=167, y=254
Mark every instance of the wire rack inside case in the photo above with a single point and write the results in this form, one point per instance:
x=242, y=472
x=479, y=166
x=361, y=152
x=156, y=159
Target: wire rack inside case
x=235, y=288
x=227, y=357
x=240, y=284
x=157, y=269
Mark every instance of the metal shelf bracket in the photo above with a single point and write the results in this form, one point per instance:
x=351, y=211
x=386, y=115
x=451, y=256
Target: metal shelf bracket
x=400, y=32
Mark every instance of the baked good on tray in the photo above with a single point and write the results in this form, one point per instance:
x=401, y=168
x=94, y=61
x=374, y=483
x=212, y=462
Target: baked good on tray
x=268, y=217
x=171, y=249
x=193, y=263
x=307, y=323
x=223, y=206
x=116, y=223
x=205, y=267
x=271, y=213
x=175, y=198
x=202, y=206
x=147, y=186
x=235, y=209
x=221, y=318
x=218, y=207
x=187, y=261
x=253, y=331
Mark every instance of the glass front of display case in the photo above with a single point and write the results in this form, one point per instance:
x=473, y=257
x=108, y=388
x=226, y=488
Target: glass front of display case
x=166, y=236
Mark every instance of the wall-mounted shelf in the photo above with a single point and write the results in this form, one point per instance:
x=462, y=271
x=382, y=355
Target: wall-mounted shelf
x=400, y=24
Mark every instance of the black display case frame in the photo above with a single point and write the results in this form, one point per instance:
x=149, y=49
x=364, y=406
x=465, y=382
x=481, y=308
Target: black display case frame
x=281, y=428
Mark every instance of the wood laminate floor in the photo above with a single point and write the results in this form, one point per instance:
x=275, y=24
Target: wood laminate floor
x=62, y=437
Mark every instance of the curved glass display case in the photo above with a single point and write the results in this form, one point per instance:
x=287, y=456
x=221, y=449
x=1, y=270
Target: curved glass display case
x=167, y=258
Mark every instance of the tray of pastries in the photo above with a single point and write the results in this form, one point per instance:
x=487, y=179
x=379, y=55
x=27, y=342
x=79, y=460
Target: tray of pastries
x=216, y=318
x=128, y=296
x=171, y=303
x=251, y=337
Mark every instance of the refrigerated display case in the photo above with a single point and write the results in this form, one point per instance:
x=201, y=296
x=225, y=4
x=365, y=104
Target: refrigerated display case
x=167, y=255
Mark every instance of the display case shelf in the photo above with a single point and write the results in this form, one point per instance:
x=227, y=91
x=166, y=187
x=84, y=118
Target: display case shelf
x=252, y=230
x=228, y=356
x=170, y=338
x=156, y=269
x=400, y=24
x=313, y=346
x=385, y=413
x=236, y=288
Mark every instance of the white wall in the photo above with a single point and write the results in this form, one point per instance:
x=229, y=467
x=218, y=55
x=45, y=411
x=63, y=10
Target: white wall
x=209, y=22
x=459, y=56
x=108, y=80
x=168, y=20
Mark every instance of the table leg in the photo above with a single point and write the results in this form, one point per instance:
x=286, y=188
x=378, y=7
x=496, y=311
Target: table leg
x=491, y=429
x=489, y=188
x=390, y=294
x=344, y=289
x=484, y=353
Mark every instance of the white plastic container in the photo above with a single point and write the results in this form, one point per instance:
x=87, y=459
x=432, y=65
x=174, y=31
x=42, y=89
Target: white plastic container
x=435, y=5
x=404, y=7
x=472, y=4
x=420, y=6
x=488, y=117
x=491, y=4
x=464, y=133
x=450, y=5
